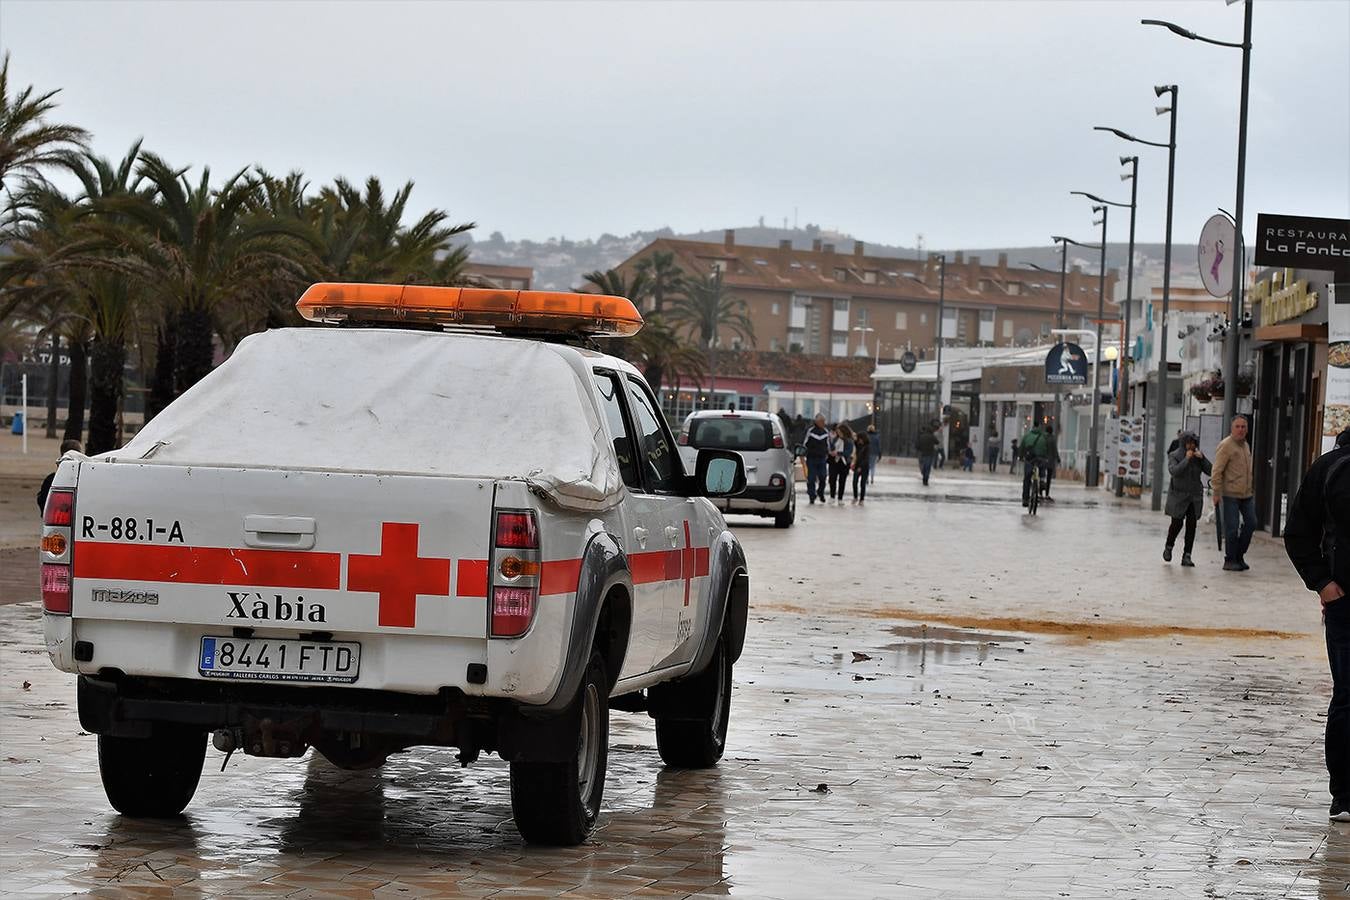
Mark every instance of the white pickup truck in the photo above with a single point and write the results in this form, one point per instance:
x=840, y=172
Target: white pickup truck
x=363, y=539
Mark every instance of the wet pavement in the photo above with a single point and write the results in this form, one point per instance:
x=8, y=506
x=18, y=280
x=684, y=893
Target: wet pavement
x=937, y=699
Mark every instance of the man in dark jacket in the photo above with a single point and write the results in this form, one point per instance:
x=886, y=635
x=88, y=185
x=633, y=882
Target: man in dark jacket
x=926, y=443
x=1035, y=449
x=817, y=442
x=1186, y=493
x=1317, y=539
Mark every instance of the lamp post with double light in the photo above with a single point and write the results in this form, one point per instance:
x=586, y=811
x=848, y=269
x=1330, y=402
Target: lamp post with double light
x=1133, y=177
x=1231, y=350
x=1093, y=462
x=1160, y=419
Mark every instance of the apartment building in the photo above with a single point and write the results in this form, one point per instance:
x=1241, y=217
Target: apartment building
x=826, y=302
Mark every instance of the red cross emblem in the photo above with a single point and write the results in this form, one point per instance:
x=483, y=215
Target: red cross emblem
x=398, y=575
x=687, y=564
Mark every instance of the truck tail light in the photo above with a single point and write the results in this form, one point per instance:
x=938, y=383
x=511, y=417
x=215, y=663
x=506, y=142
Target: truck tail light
x=58, y=515
x=517, y=530
x=56, y=588
x=515, y=572
x=60, y=507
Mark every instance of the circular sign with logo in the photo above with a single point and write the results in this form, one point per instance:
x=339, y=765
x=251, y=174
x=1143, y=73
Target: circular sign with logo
x=1218, y=249
x=1066, y=363
x=908, y=361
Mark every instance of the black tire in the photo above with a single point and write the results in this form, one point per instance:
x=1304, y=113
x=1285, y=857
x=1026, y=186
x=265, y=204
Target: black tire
x=691, y=729
x=154, y=777
x=556, y=804
x=1035, y=496
x=785, y=518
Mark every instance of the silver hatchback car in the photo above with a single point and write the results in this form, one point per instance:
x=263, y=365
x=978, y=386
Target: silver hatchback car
x=770, y=463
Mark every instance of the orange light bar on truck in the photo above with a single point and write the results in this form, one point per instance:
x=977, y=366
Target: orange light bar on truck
x=527, y=310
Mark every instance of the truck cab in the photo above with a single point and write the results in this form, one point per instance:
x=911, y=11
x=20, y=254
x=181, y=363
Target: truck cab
x=454, y=520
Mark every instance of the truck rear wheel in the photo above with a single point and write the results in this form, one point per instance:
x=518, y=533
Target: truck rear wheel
x=152, y=777
x=556, y=803
x=691, y=727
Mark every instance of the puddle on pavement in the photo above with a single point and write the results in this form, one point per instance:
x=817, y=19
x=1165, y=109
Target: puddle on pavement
x=922, y=646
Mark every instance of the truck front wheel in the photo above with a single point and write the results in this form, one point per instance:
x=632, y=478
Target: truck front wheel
x=556, y=803
x=691, y=715
x=152, y=777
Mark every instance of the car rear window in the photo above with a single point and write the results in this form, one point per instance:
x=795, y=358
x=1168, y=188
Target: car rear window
x=727, y=433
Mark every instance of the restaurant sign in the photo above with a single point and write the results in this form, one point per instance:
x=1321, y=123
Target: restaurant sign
x=1282, y=297
x=1303, y=242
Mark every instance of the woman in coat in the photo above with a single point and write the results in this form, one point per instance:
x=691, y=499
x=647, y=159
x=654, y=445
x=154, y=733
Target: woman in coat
x=1186, y=494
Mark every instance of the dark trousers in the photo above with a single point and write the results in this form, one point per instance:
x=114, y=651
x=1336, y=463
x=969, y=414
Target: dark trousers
x=838, y=477
x=860, y=483
x=1047, y=476
x=1236, y=540
x=925, y=467
x=993, y=458
x=1026, y=479
x=815, y=477
x=1337, y=622
x=1175, y=528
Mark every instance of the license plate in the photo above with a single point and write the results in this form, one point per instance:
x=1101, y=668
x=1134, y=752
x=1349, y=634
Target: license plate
x=258, y=659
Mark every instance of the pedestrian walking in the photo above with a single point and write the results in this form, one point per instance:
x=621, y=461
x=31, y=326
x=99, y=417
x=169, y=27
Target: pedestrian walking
x=862, y=460
x=817, y=443
x=993, y=443
x=1035, y=450
x=66, y=447
x=874, y=455
x=926, y=444
x=968, y=458
x=1014, y=453
x=1317, y=539
x=1186, y=494
x=1051, y=462
x=842, y=459
x=1231, y=480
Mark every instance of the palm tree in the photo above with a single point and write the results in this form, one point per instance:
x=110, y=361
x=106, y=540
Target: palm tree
x=704, y=309
x=28, y=141
x=363, y=238
x=68, y=267
x=663, y=277
x=207, y=247
x=612, y=282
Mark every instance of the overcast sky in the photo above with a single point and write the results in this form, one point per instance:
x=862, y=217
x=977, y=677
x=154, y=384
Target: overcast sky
x=968, y=122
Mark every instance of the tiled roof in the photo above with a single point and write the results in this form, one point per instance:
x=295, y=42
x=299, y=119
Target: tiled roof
x=799, y=367
x=969, y=281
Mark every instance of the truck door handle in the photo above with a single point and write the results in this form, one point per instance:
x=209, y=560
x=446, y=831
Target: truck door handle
x=292, y=532
x=641, y=534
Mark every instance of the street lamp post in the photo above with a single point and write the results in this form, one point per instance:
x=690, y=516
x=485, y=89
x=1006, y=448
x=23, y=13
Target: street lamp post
x=941, y=317
x=1093, y=463
x=1133, y=178
x=1160, y=424
x=1231, y=350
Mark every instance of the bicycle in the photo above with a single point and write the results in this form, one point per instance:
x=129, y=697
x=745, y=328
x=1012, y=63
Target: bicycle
x=1034, y=503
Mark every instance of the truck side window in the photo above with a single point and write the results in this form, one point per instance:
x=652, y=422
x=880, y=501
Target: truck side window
x=607, y=389
x=658, y=450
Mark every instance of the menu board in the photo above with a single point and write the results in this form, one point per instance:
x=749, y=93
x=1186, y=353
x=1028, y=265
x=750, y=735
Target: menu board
x=1336, y=417
x=1129, y=458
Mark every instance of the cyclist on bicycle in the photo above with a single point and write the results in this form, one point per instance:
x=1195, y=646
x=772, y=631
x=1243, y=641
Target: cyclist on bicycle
x=1035, y=449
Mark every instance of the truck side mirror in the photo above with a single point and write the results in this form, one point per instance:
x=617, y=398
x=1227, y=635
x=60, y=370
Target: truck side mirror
x=719, y=473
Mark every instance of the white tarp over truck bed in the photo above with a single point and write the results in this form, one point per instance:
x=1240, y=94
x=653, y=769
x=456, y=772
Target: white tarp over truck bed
x=387, y=401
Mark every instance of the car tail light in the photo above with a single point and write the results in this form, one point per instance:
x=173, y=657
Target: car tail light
x=60, y=507
x=58, y=514
x=777, y=481
x=56, y=588
x=517, y=530
x=777, y=442
x=515, y=572
x=683, y=439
